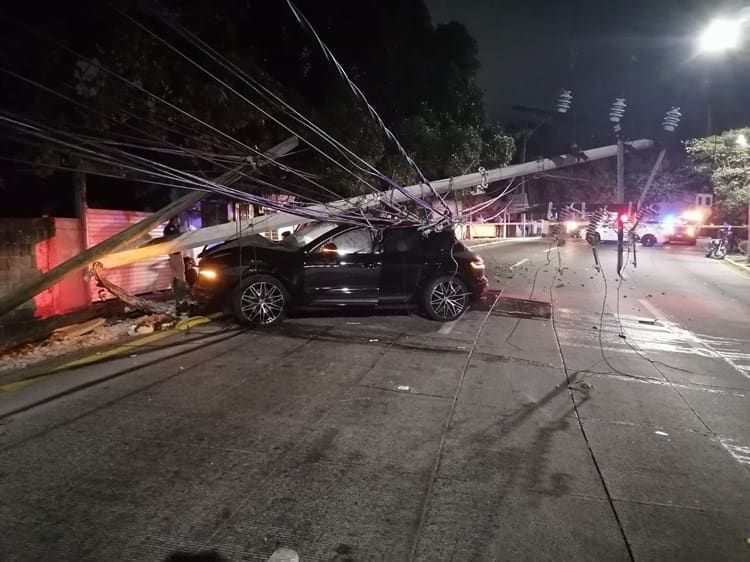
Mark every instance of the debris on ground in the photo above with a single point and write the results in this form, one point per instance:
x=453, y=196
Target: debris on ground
x=77, y=330
x=153, y=323
x=137, y=303
x=65, y=340
x=77, y=337
x=583, y=387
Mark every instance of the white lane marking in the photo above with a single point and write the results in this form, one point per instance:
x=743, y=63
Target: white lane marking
x=657, y=382
x=524, y=260
x=658, y=314
x=447, y=327
x=739, y=452
x=701, y=345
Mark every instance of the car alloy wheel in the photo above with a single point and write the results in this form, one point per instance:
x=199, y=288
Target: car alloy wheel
x=260, y=301
x=447, y=299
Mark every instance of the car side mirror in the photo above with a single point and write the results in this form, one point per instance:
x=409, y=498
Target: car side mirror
x=329, y=248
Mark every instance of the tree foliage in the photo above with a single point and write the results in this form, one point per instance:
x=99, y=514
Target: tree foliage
x=596, y=182
x=422, y=79
x=725, y=159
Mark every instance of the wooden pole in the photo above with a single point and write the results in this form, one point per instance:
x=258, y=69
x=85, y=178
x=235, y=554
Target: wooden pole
x=29, y=290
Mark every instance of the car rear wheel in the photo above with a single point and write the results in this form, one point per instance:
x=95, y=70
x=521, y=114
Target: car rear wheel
x=446, y=298
x=649, y=240
x=260, y=300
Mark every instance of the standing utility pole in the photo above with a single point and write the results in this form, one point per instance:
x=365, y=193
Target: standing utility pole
x=615, y=115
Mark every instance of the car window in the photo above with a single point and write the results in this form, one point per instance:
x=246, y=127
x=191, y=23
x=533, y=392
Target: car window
x=355, y=241
x=399, y=240
x=303, y=236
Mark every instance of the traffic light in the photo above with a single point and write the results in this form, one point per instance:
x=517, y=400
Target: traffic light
x=672, y=119
x=564, y=100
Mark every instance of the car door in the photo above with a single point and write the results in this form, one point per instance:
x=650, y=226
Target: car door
x=403, y=263
x=343, y=269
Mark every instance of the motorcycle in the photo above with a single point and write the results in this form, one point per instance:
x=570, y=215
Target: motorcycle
x=718, y=247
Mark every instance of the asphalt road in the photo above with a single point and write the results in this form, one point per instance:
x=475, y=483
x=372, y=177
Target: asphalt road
x=617, y=429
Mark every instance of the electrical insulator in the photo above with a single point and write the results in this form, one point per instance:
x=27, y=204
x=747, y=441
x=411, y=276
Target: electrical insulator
x=597, y=219
x=617, y=111
x=563, y=101
x=672, y=119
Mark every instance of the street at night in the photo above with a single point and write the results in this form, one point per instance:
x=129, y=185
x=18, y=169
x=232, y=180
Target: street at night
x=388, y=280
x=615, y=433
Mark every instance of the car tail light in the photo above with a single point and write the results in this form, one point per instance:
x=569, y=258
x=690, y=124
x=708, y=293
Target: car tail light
x=477, y=263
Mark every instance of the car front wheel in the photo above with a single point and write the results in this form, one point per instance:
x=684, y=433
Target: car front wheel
x=649, y=240
x=260, y=300
x=446, y=298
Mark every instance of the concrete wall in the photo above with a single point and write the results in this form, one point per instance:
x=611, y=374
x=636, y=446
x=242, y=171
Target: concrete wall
x=30, y=247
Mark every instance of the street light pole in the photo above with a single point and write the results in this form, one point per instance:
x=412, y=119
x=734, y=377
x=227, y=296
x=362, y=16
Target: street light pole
x=720, y=36
x=742, y=142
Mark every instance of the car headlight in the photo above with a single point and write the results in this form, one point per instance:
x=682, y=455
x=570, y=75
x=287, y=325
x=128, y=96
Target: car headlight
x=208, y=274
x=690, y=231
x=477, y=263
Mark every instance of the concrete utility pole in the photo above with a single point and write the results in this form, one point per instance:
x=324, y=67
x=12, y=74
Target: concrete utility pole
x=616, y=114
x=29, y=290
x=620, y=171
x=219, y=233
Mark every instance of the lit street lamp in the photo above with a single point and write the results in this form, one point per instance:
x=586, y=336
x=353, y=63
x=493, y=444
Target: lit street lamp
x=720, y=35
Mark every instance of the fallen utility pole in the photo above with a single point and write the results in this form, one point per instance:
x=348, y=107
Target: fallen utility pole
x=29, y=290
x=219, y=233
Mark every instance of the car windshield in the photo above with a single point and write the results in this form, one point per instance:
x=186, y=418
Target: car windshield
x=303, y=236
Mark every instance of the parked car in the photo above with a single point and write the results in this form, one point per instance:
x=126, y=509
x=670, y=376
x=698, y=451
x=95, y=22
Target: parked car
x=682, y=232
x=329, y=266
x=647, y=233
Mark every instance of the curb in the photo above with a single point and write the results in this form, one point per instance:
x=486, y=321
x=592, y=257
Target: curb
x=498, y=241
x=181, y=326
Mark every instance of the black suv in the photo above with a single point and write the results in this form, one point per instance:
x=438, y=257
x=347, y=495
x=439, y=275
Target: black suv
x=328, y=266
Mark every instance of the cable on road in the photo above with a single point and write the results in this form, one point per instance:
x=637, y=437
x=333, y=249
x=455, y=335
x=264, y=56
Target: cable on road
x=533, y=288
x=569, y=381
x=439, y=456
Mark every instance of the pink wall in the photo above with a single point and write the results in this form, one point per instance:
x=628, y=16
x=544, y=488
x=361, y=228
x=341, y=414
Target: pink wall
x=72, y=292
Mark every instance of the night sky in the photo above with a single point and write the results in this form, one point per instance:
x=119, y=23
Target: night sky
x=643, y=49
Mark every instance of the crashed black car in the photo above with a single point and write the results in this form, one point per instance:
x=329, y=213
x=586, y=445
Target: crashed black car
x=329, y=266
